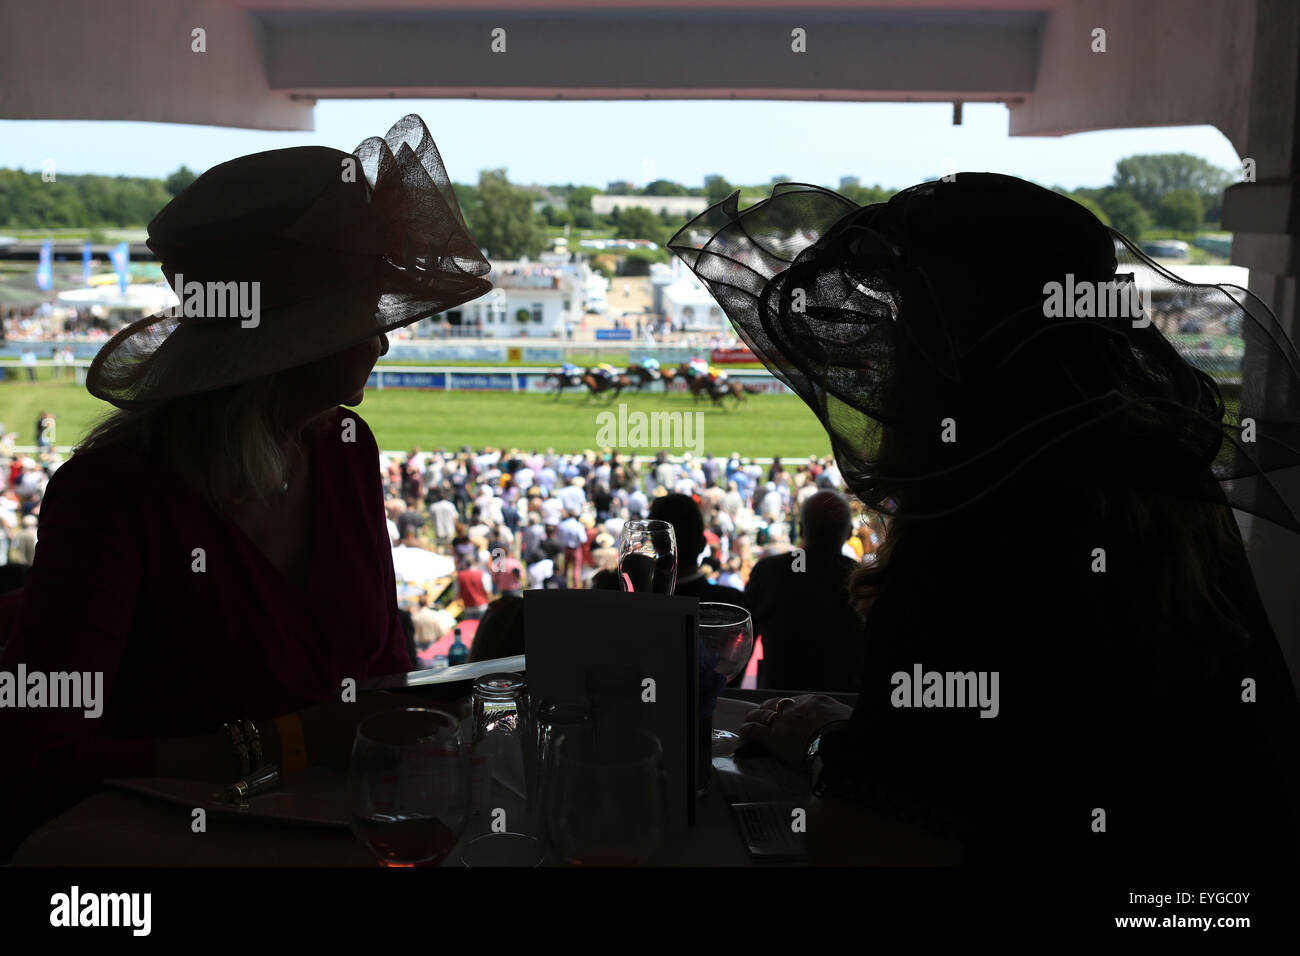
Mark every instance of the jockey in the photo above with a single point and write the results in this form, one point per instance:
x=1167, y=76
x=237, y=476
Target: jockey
x=650, y=364
x=698, y=367
x=603, y=370
x=570, y=370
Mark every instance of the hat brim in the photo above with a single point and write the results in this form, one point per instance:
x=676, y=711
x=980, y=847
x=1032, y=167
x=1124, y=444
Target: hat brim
x=362, y=257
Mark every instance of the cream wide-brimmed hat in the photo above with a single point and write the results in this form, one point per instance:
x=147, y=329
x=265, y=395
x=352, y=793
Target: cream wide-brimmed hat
x=284, y=257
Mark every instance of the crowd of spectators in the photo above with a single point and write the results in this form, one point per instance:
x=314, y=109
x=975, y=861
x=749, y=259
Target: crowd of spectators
x=22, y=483
x=42, y=322
x=778, y=539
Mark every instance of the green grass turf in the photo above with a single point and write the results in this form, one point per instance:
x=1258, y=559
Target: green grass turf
x=763, y=426
x=766, y=425
x=618, y=361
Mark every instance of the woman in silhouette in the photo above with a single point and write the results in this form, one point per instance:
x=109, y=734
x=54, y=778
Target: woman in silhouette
x=1067, y=656
x=216, y=550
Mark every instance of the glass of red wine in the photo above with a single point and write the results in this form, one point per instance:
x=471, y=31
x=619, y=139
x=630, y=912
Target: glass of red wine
x=604, y=796
x=647, y=557
x=408, y=786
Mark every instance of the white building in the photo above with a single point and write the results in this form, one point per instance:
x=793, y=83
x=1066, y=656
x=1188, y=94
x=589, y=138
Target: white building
x=528, y=300
x=603, y=205
x=688, y=305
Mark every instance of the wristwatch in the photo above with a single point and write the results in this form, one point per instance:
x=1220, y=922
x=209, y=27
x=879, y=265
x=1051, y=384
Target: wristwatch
x=812, y=758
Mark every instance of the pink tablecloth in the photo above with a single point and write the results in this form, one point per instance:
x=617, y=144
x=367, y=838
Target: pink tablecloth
x=443, y=646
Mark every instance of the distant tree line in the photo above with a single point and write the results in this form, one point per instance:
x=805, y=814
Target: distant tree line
x=1176, y=191
x=85, y=201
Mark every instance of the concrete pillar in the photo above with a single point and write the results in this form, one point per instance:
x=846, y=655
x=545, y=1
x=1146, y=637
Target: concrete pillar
x=1264, y=217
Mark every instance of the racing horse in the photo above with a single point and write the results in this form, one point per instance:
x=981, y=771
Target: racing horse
x=720, y=389
x=600, y=384
x=642, y=375
x=563, y=379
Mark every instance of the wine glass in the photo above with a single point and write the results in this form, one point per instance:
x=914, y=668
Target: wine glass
x=647, y=557
x=726, y=641
x=604, y=795
x=408, y=786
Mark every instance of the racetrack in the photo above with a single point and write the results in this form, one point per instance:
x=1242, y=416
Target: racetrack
x=763, y=426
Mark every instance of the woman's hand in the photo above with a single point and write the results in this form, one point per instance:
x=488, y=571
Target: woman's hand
x=787, y=733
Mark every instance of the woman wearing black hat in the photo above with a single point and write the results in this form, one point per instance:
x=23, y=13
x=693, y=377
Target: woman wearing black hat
x=1067, y=656
x=217, y=547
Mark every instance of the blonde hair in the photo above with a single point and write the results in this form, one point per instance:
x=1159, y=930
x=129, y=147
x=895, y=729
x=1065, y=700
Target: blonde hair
x=225, y=442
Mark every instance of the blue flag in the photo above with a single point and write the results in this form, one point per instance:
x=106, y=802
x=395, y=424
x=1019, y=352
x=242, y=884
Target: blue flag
x=85, y=263
x=121, y=260
x=45, y=267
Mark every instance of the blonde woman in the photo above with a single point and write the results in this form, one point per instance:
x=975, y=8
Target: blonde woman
x=217, y=548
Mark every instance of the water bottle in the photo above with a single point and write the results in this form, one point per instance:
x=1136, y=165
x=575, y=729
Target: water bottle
x=459, y=653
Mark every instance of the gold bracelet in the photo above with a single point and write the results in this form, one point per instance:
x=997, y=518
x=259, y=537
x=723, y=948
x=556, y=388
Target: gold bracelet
x=293, y=747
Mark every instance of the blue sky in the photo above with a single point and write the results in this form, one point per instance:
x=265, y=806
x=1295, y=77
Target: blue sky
x=594, y=142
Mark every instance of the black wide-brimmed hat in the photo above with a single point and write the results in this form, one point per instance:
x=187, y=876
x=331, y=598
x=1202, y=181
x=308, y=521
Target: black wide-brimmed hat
x=338, y=246
x=981, y=329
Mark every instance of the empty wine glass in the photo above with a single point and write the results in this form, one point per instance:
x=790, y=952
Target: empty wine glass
x=408, y=786
x=647, y=557
x=726, y=641
x=604, y=796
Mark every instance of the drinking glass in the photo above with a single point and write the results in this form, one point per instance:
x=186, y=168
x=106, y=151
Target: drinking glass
x=726, y=640
x=647, y=557
x=500, y=704
x=408, y=786
x=552, y=717
x=604, y=796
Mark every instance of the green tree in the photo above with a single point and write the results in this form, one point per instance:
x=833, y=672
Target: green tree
x=556, y=216
x=28, y=202
x=501, y=218
x=179, y=180
x=579, y=197
x=664, y=187
x=1150, y=177
x=1088, y=203
x=636, y=222
x=1125, y=213
x=866, y=195
x=716, y=188
x=1180, y=210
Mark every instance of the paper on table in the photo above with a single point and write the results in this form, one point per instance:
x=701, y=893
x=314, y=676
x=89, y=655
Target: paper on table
x=769, y=831
x=316, y=797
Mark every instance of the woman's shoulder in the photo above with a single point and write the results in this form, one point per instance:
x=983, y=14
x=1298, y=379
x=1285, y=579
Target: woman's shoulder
x=342, y=428
x=110, y=470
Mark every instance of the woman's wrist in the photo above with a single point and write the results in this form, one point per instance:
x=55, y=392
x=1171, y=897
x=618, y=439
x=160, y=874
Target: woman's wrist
x=195, y=758
x=812, y=751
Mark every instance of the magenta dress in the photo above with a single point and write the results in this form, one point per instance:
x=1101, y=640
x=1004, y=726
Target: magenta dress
x=115, y=588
